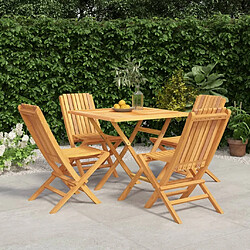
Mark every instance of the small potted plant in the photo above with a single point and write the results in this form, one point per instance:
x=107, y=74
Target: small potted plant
x=130, y=75
x=239, y=128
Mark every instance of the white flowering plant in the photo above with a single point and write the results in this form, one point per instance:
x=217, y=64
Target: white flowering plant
x=16, y=148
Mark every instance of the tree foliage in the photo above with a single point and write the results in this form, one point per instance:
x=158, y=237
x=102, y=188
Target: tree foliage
x=113, y=9
x=49, y=8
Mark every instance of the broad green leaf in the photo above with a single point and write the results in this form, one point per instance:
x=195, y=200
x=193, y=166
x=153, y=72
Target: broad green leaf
x=214, y=84
x=199, y=78
x=197, y=70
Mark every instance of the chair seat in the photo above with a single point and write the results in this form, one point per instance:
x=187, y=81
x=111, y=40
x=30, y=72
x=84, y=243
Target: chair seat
x=81, y=152
x=94, y=138
x=167, y=141
x=165, y=155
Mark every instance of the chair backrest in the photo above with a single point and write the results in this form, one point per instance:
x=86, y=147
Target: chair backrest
x=209, y=101
x=199, y=140
x=76, y=124
x=42, y=135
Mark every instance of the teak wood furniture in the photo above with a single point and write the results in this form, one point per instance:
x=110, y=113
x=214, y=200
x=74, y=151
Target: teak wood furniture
x=136, y=115
x=202, y=101
x=80, y=129
x=199, y=140
x=60, y=160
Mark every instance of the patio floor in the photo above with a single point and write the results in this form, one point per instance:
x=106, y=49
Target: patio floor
x=80, y=224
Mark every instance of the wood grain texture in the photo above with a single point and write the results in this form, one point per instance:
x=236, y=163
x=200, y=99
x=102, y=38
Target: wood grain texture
x=200, y=138
x=60, y=160
x=114, y=117
x=201, y=102
x=79, y=128
x=109, y=114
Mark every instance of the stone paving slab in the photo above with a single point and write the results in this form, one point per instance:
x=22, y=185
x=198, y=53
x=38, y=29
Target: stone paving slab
x=80, y=224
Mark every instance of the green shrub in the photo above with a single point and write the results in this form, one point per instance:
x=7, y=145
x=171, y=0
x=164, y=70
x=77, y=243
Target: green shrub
x=16, y=148
x=176, y=94
x=43, y=58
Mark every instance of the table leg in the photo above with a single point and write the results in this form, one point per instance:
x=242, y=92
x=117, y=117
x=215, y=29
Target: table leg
x=141, y=170
x=161, y=135
x=126, y=141
x=116, y=154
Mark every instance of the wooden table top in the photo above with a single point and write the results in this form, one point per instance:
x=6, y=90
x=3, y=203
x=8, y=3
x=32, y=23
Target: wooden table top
x=108, y=114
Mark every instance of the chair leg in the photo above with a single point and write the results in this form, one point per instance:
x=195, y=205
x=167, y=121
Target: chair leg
x=64, y=199
x=154, y=197
x=109, y=160
x=212, y=176
x=87, y=191
x=130, y=185
x=79, y=166
x=163, y=171
x=170, y=207
x=111, y=169
x=165, y=199
x=40, y=190
x=65, y=172
x=211, y=198
x=80, y=185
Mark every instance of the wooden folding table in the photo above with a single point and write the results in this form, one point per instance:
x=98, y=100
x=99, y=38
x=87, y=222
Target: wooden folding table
x=136, y=115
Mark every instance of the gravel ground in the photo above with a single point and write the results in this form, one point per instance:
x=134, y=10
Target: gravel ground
x=40, y=165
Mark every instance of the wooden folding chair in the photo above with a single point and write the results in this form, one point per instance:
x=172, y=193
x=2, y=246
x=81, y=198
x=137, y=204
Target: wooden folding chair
x=199, y=140
x=60, y=160
x=80, y=129
x=202, y=101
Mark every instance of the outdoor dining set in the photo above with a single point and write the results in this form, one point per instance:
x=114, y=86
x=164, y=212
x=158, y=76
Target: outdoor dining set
x=189, y=155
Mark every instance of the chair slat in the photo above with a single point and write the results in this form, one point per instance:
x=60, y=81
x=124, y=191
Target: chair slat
x=92, y=105
x=67, y=118
x=88, y=106
x=80, y=107
x=71, y=107
x=85, y=119
x=77, y=106
x=213, y=132
x=189, y=142
x=206, y=131
x=201, y=135
x=41, y=133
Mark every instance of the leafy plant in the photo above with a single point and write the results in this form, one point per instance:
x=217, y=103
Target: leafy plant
x=113, y=9
x=205, y=82
x=42, y=58
x=239, y=123
x=129, y=74
x=16, y=148
x=176, y=94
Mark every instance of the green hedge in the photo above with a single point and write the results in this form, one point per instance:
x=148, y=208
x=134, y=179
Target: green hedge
x=43, y=58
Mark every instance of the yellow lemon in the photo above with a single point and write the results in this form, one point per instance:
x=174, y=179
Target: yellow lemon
x=117, y=106
x=122, y=102
x=124, y=106
x=127, y=106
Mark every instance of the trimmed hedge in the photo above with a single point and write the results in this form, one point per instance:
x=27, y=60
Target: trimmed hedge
x=43, y=58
